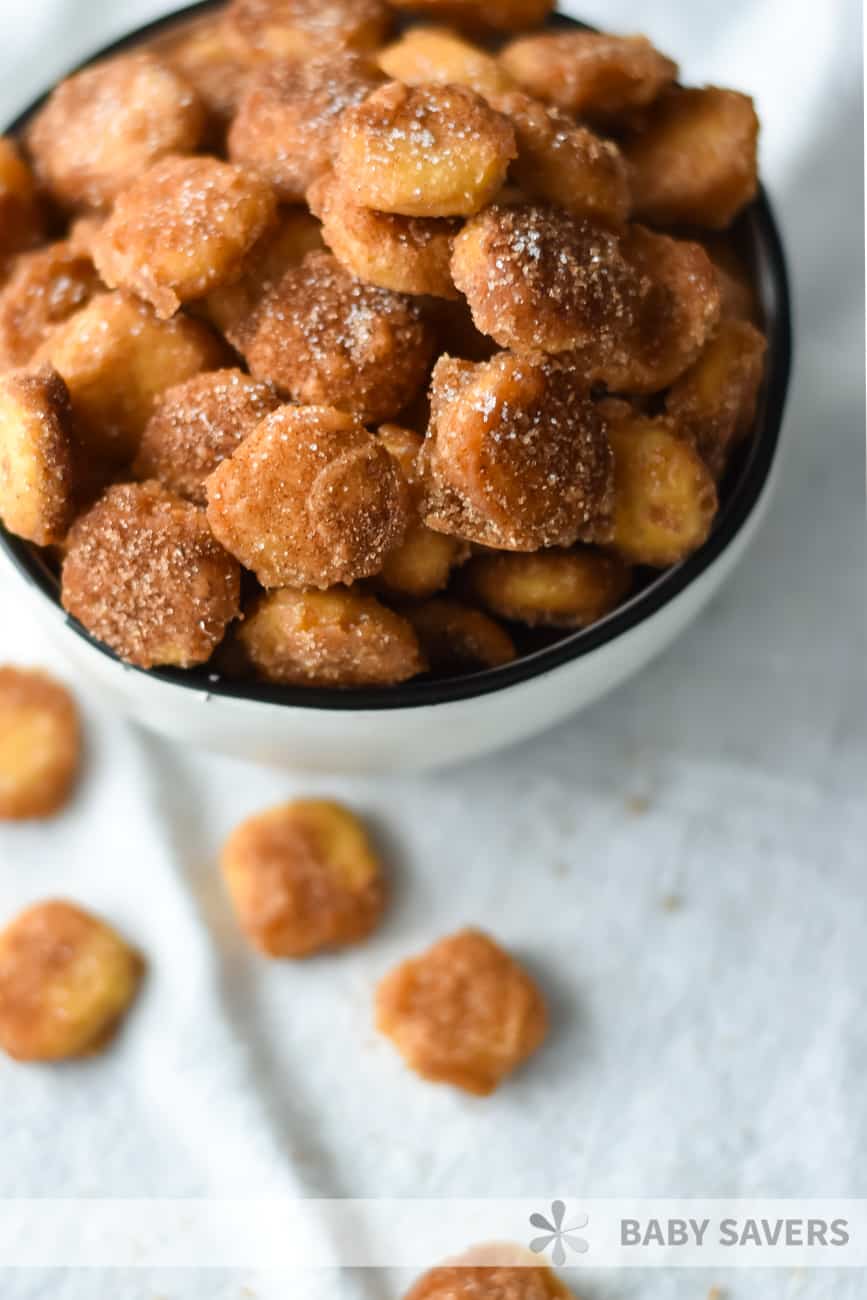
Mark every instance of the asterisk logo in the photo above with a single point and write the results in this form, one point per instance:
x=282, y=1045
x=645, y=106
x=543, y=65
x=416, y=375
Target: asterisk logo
x=556, y=1233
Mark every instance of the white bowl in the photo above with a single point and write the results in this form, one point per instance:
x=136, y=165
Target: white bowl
x=425, y=724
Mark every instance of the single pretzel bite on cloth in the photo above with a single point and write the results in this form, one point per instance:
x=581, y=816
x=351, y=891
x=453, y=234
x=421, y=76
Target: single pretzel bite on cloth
x=675, y=314
x=464, y=1012
x=489, y=1282
x=116, y=357
x=664, y=495
x=517, y=455
x=297, y=29
x=694, y=158
x=303, y=877
x=324, y=337
x=714, y=403
x=552, y=588
x=66, y=979
x=196, y=425
x=309, y=499
x=20, y=218
x=182, y=229
x=231, y=307
x=435, y=54
x=496, y=15
x=102, y=127
x=564, y=163
x=455, y=638
x=286, y=125
x=406, y=254
x=44, y=288
x=593, y=74
x=143, y=573
x=423, y=563
x=337, y=638
x=539, y=280
x=423, y=151
x=37, y=455
x=40, y=744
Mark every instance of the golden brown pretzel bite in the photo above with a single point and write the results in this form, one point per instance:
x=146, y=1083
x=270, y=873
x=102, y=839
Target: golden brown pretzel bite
x=593, y=74
x=40, y=744
x=297, y=29
x=37, y=455
x=456, y=638
x=309, y=499
x=436, y=54
x=286, y=125
x=44, y=288
x=694, y=160
x=489, y=1282
x=516, y=456
x=326, y=338
x=423, y=151
x=144, y=574
x=552, y=588
x=337, y=638
x=102, y=127
x=406, y=254
x=196, y=425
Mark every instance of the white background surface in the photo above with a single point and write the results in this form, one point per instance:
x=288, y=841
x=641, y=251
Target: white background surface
x=717, y=1049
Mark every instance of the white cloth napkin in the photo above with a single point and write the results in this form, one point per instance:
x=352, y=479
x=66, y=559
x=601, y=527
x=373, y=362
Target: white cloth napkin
x=716, y=1049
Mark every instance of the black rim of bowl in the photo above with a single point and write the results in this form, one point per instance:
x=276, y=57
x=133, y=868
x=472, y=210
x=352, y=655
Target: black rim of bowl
x=757, y=233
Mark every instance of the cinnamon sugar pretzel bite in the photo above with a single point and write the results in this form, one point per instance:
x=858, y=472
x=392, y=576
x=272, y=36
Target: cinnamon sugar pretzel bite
x=406, y=254
x=516, y=456
x=309, y=499
x=66, y=979
x=182, y=229
x=564, y=163
x=340, y=638
x=423, y=151
x=423, y=563
x=40, y=744
x=196, y=425
x=496, y=15
x=552, y=588
x=44, y=288
x=664, y=495
x=20, y=217
x=37, y=455
x=116, y=357
x=435, y=54
x=694, y=158
x=540, y=280
x=297, y=29
x=303, y=877
x=464, y=1012
x=714, y=403
x=489, y=1282
x=593, y=74
x=325, y=338
x=144, y=574
x=287, y=121
x=102, y=127
x=456, y=638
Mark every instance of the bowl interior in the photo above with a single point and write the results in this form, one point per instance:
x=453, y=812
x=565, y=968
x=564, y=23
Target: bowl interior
x=757, y=239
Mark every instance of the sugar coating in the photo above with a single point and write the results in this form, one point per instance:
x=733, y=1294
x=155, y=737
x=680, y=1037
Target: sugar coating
x=539, y=280
x=20, y=217
x=406, y=254
x=309, y=499
x=457, y=638
x=464, y=1012
x=296, y=29
x=144, y=574
x=338, y=638
x=593, y=74
x=324, y=337
x=196, y=425
x=40, y=744
x=303, y=877
x=287, y=121
x=423, y=151
x=66, y=978
x=182, y=229
x=37, y=455
x=44, y=288
x=516, y=456
x=551, y=588
x=102, y=127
